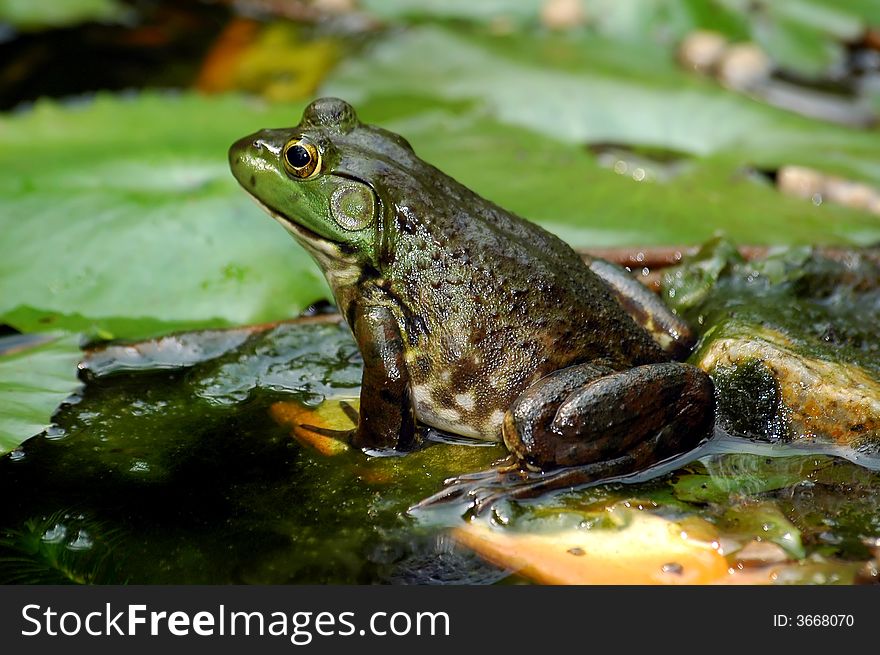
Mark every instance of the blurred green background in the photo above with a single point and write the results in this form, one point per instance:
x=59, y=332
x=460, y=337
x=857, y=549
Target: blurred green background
x=119, y=216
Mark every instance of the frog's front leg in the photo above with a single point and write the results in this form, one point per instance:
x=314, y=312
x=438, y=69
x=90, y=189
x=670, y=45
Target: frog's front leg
x=588, y=414
x=387, y=418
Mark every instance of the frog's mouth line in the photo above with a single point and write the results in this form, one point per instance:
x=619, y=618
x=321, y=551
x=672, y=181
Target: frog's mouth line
x=290, y=225
x=328, y=253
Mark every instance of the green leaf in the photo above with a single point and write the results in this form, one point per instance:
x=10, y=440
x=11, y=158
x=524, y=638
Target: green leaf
x=804, y=36
x=32, y=385
x=765, y=522
x=746, y=475
x=584, y=91
x=485, y=10
x=795, y=46
x=536, y=102
x=37, y=14
x=120, y=217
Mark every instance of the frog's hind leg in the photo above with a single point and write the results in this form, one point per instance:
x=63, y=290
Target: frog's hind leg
x=588, y=415
x=584, y=424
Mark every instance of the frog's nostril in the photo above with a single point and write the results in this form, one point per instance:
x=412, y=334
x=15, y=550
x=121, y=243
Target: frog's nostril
x=270, y=145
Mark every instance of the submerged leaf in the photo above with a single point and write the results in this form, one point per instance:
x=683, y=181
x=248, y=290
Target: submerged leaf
x=32, y=385
x=739, y=475
x=765, y=522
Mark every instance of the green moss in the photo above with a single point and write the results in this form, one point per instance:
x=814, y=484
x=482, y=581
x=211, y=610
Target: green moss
x=749, y=401
x=826, y=304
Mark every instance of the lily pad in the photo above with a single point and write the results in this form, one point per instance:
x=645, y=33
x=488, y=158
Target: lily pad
x=40, y=14
x=454, y=9
x=33, y=383
x=560, y=94
x=803, y=36
x=167, y=485
x=120, y=231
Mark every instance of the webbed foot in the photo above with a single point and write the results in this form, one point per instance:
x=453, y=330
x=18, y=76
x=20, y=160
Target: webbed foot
x=509, y=480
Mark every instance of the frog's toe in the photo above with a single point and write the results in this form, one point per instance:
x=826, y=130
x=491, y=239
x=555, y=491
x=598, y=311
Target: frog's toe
x=479, y=492
x=328, y=428
x=345, y=435
x=532, y=484
x=470, y=487
x=501, y=467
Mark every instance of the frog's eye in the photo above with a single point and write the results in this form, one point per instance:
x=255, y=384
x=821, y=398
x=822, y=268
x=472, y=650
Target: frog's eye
x=301, y=158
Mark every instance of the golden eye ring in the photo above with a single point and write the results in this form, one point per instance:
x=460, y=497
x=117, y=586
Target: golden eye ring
x=301, y=158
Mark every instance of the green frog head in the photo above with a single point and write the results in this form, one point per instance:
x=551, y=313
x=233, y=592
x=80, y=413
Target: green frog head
x=325, y=180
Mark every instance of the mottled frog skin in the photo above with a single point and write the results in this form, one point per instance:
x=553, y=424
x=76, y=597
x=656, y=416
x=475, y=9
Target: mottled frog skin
x=472, y=319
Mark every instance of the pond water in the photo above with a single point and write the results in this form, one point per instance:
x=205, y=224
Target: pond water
x=168, y=467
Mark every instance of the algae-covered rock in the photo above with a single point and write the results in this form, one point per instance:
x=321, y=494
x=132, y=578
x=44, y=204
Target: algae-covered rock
x=792, y=340
x=767, y=387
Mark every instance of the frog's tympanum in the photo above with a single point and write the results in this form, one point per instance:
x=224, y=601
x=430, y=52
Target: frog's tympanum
x=471, y=319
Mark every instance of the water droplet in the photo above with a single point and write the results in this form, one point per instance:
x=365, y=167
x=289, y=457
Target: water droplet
x=82, y=542
x=499, y=517
x=55, y=534
x=139, y=466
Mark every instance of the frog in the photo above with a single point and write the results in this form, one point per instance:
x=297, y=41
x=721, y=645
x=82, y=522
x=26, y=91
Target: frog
x=473, y=320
